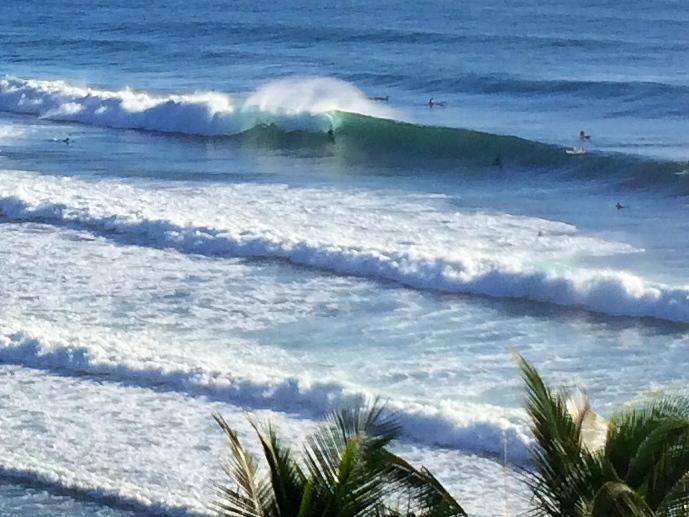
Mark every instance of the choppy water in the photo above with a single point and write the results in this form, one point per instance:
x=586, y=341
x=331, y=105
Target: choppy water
x=202, y=243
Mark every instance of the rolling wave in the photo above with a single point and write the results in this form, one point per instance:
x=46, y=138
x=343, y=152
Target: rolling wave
x=66, y=483
x=477, y=428
x=301, y=111
x=291, y=104
x=466, y=272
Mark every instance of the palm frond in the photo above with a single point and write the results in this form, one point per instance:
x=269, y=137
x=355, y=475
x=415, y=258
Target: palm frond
x=676, y=501
x=287, y=479
x=659, y=446
x=557, y=453
x=371, y=420
x=349, y=477
x=615, y=499
x=631, y=426
x=565, y=472
x=250, y=496
x=421, y=492
x=346, y=471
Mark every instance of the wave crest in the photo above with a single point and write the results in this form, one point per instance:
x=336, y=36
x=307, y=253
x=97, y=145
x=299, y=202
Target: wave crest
x=465, y=271
x=291, y=104
x=475, y=428
x=298, y=111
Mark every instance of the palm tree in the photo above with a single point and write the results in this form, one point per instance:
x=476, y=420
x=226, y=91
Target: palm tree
x=637, y=464
x=345, y=470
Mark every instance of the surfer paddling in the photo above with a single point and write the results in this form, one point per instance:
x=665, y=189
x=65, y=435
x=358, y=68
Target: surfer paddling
x=432, y=103
x=378, y=98
x=619, y=206
x=583, y=136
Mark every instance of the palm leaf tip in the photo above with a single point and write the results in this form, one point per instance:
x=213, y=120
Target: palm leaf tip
x=615, y=499
x=247, y=495
x=346, y=470
x=370, y=419
x=287, y=478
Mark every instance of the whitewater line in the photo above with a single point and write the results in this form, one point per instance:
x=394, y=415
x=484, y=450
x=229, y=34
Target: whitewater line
x=297, y=103
x=420, y=423
x=608, y=292
x=67, y=484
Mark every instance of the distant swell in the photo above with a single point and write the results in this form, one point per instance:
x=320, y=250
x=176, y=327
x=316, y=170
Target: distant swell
x=479, y=432
x=608, y=292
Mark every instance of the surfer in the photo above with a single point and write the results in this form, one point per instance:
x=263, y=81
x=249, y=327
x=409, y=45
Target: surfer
x=331, y=135
x=584, y=136
x=430, y=102
x=385, y=98
x=619, y=206
x=498, y=161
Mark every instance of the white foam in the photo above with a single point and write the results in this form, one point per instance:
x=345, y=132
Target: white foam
x=469, y=427
x=95, y=488
x=295, y=103
x=481, y=254
x=9, y=132
x=296, y=95
x=155, y=452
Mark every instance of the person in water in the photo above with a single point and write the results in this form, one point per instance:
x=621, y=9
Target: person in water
x=430, y=102
x=619, y=206
x=331, y=135
x=498, y=161
x=584, y=136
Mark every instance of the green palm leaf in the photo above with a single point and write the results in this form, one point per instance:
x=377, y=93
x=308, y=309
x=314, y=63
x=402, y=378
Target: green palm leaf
x=346, y=471
x=565, y=473
x=628, y=429
x=287, y=479
x=251, y=496
x=346, y=459
x=421, y=492
x=616, y=499
x=676, y=501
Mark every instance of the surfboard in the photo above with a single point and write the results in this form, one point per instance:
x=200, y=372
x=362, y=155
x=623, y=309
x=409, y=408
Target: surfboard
x=576, y=150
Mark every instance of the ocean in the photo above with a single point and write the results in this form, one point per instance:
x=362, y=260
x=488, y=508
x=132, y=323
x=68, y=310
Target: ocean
x=249, y=207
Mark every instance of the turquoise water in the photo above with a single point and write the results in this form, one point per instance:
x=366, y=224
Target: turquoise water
x=203, y=209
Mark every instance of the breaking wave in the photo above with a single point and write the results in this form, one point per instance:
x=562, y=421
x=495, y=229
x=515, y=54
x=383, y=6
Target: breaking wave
x=292, y=104
x=63, y=482
x=476, y=428
x=300, y=112
x=604, y=291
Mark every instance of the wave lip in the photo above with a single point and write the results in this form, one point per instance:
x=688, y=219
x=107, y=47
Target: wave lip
x=466, y=271
x=291, y=104
x=297, y=111
x=206, y=113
